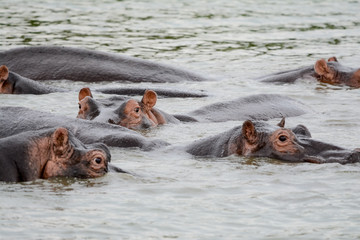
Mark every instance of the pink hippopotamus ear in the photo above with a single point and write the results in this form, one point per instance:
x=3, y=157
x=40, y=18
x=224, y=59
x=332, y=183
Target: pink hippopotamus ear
x=4, y=73
x=149, y=99
x=324, y=70
x=60, y=139
x=249, y=132
x=85, y=92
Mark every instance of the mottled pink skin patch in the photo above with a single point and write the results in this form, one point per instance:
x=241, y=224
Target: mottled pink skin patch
x=54, y=157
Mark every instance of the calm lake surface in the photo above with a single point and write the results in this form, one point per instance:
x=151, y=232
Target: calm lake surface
x=172, y=194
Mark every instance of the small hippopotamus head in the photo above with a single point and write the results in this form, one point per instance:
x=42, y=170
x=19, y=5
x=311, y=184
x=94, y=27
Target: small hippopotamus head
x=62, y=154
x=5, y=86
x=259, y=139
x=334, y=73
x=127, y=112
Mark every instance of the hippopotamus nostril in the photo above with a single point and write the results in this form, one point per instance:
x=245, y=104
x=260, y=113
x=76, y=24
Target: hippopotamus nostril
x=111, y=121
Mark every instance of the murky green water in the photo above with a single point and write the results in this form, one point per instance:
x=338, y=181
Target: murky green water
x=171, y=194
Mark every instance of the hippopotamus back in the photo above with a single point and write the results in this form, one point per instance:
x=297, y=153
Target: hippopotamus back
x=52, y=62
x=259, y=107
x=15, y=120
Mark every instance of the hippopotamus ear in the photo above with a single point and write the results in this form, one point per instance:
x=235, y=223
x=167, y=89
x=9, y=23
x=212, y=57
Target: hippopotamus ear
x=322, y=68
x=332, y=59
x=84, y=92
x=60, y=140
x=249, y=132
x=149, y=99
x=4, y=73
x=282, y=123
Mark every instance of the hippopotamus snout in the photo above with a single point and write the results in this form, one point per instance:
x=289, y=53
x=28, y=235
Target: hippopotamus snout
x=320, y=152
x=353, y=157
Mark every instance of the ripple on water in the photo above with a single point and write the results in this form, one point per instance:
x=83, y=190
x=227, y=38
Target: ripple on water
x=170, y=194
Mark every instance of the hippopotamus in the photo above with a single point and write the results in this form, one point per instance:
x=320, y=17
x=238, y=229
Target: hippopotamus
x=126, y=112
x=260, y=139
x=13, y=83
x=50, y=153
x=136, y=114
x=15, y=120
x=53, y=62
x=330, y=71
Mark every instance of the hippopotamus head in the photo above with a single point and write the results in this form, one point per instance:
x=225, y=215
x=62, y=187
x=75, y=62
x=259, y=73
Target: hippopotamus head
x=69, y=157
x=47, y=153
x=334, y=73
x=127, y=112
x=5, y=86
x=259, y=139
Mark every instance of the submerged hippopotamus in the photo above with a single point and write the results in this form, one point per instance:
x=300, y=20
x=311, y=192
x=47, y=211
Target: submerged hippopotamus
x=52, y=62
x=135, y=114
x=330, y=71
x=50, y=153
x=13, y=83
x=126, y=112
x=259, y=139
x=16, y=120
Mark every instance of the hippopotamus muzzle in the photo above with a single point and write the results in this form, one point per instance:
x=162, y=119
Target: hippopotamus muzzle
x=320, y=152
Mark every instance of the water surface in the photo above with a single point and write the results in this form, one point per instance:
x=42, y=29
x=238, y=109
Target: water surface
x=172, y=194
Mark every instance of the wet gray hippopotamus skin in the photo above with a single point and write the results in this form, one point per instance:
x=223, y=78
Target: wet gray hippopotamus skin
x=13, y=83
x=15, y=120
x=330, y=71
x=259, y=139
x=52, y=62
x=50, y=153
x=136, y=114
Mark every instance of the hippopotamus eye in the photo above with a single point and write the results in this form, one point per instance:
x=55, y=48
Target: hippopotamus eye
x=137, y=109
x=97, y=160
x=282, y=138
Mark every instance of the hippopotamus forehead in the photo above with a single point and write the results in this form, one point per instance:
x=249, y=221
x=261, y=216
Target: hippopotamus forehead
x=264, y=127
x=113, y=101
x=339, y=67
x=79, y=145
